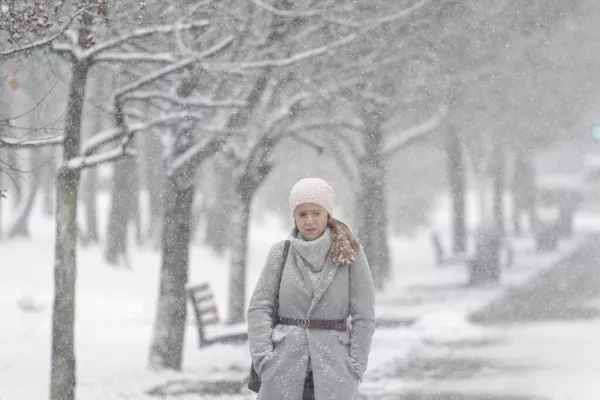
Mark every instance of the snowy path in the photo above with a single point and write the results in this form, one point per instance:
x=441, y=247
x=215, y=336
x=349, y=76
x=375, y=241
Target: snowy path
x=542, y=349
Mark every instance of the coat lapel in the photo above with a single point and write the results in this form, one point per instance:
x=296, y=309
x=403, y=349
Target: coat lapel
x=304, y=272
x=329, y=271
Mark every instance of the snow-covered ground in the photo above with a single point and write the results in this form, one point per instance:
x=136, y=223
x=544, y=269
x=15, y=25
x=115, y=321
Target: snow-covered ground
x=552, y=360
x=115, y=312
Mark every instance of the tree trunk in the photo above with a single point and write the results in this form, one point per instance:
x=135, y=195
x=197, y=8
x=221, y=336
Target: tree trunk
x=135, y=211
x=456, y=177
x=89, y=198
x=240, y=223
x=372, y=206
x=47, y=182
x=123, y=197
x=169, y=327
x=499, y=184
x=16, y=183
x=154, y=182
x=218, y=213
x=20, y=225
x=63, y=372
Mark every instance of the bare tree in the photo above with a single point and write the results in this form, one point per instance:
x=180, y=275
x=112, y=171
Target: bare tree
x=82, y=52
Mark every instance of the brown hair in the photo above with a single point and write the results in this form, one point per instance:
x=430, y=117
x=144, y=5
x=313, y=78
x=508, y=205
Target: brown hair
x=344, y=244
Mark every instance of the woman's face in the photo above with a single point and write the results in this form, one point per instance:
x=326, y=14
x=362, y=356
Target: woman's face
x=311, y=220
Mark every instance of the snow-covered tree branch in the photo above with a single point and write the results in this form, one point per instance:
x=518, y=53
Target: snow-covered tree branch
x=79, y=163
x=402, y=140
x=140, y=33
x=178, y=66
x=31, y=143
x=184, y=102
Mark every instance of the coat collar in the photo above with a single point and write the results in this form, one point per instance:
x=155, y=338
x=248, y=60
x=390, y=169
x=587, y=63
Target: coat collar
x=314, y=252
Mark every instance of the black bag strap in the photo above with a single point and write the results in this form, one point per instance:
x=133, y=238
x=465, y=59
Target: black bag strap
x=286, y=250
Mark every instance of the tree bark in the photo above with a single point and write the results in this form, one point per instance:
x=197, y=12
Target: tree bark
x=456, y=176
x=47, y=182
x=218, y=213
x=89, y=198
x=169, y=327
x=121, y=210
x=154, y=182
x=240, y=223
x=372, y=206
x=20, y=225
x=63, y=368
x=16, y=183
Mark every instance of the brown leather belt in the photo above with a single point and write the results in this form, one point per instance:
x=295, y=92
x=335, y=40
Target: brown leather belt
x=335, y=325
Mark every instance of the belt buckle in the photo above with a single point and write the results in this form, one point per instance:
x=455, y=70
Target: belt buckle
x=303, y=322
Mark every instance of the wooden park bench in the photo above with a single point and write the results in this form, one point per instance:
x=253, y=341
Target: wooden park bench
x=206, y=312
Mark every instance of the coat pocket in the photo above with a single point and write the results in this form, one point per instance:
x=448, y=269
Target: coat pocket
x=279, y=333
x=344, y=337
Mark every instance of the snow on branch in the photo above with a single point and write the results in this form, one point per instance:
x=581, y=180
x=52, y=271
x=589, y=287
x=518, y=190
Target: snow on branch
x=113, y=134
x=331, y=125
x=154, y=76
x=101, y=139
x=139, y=33
x=134, y=57
x=186, y=115
x=197, y=153
x=172, y=68
x=196, y=102
x=326, y=124
x=118, y=152
x=363, y=29
x=283, y=13
x=46, y=41
x=407, y=12
x=283, y=62
x=31, y=143
x=284, y=111
x=401, y=140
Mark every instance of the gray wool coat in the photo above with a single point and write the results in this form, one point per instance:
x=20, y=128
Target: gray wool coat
x=281, y=354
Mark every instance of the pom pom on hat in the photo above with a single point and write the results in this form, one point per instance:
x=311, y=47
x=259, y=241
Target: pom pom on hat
x=312, y=190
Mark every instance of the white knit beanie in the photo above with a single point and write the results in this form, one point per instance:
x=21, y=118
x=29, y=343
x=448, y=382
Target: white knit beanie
x=312, y=190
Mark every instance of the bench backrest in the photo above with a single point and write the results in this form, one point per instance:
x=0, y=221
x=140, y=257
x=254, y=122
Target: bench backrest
x=205, y=308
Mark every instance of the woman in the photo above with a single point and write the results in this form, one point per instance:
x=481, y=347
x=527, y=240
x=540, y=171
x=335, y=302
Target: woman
x=309, y=352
